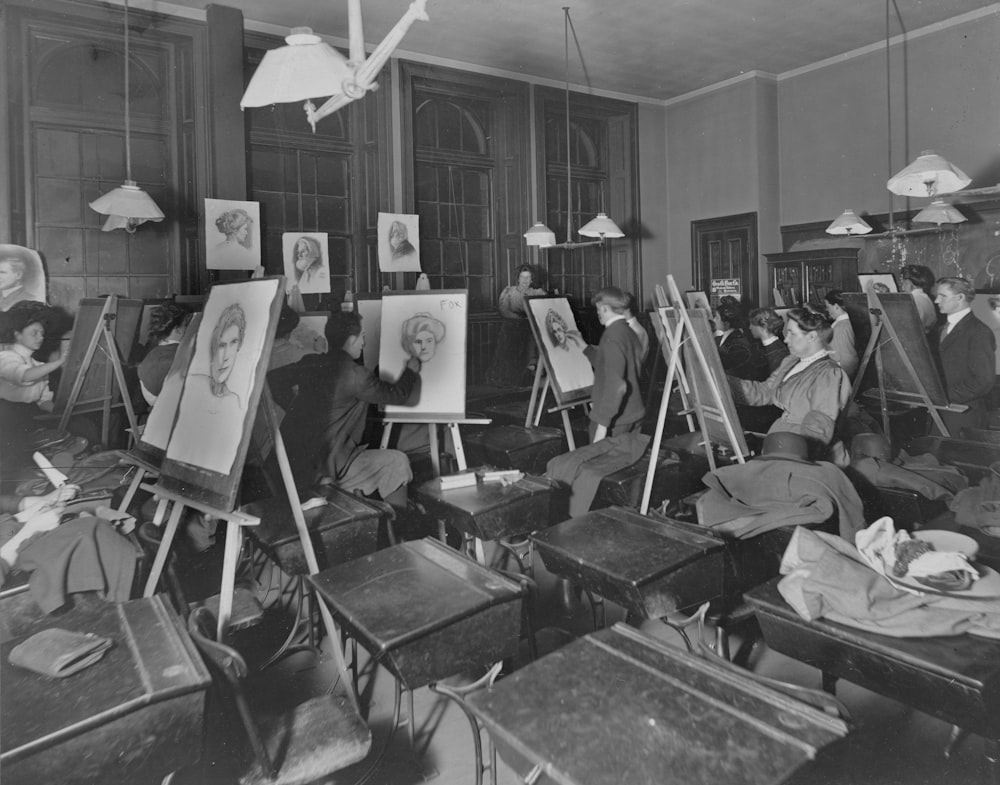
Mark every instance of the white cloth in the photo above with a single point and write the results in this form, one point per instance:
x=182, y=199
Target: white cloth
x=805, y=362
x=14, y=363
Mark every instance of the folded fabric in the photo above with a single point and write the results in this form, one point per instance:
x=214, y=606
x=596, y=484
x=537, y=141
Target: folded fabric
x=978, y=507
x=826, y=577
x=59, y=653
x=746, y=499
x=930, y=467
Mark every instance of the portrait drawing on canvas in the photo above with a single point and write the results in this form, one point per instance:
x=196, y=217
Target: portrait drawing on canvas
x=554, y=327
x=431, y=327
x=307, y=262
x=398, y=242
x=21, y=276
x=880, y=283
x=232, y=232
x=221, y=375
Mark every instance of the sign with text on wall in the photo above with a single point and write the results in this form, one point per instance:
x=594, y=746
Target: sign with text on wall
x=726, y=286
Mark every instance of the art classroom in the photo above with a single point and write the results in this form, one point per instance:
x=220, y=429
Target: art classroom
x=499, y=392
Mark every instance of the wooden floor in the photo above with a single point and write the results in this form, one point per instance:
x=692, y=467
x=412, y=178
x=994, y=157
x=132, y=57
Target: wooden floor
x=891, y=745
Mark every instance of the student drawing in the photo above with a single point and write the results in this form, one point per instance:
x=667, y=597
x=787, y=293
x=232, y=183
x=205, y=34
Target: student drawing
x=238, y=224
x=21, y=276
x=430, y=327
x=421, y=334
x=306, y=264
x=561, y=345
x=399, y=242
x=220, y=378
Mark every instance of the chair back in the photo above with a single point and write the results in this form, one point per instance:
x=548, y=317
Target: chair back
x=225, y=662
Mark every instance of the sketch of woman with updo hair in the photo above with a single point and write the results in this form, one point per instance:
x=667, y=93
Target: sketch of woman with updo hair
x=236, y=251
x=420, y=335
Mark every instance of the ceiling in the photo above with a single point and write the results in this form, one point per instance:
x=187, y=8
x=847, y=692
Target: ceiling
x=645, y=49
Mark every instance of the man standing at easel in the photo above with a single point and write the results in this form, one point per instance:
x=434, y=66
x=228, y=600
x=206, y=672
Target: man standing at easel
x=967, y=350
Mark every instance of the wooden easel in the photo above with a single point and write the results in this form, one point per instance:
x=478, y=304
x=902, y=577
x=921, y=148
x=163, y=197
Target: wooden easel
x=432, y=426
x=536, y=402
x=666, y=349
x=102, y=338
x=884, y=332
x=711, y=411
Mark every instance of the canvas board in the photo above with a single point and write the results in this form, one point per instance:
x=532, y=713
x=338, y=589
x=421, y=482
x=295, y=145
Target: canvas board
x=901, y=310
x=698, y=299
x=561, y=348
x=23, y=267
x=431, y=326
x=987, y=308
x=232, y=234
x=370, y=308
x=701, y=332
x=881, y=283
x=222, y=387
x=94, y=390
x=151, y=446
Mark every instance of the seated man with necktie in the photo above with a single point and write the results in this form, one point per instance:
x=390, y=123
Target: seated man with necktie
x=967, y=350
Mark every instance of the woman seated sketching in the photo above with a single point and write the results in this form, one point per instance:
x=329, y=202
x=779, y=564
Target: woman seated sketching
x=766, y=326
x=809, y=387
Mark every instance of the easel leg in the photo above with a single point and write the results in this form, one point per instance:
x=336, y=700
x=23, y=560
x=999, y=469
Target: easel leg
x=234, y=543
x=535, y=386
x=570, y=441
x=456, y=439
x=165, y=543
x=435, y=449
x=386, y=433
x=133, y=488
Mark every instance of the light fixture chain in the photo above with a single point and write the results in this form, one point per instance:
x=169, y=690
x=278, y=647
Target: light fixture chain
x=569, y=157
x=128, y=118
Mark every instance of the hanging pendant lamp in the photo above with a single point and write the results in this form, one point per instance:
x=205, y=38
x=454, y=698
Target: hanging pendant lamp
x=127, y=206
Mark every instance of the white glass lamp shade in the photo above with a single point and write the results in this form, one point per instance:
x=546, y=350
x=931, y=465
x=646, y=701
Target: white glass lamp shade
x=127, y=206
x=540, y=235
x=928, y=175
x=305, y=68
x=848, y=222
x=601, y=226
x=939, y=212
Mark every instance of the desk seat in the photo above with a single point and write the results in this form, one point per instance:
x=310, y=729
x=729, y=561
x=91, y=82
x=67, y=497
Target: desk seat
x=621, y=707
x=956, y=679
x=515, y=447
x=136, y=715
x=423, y=610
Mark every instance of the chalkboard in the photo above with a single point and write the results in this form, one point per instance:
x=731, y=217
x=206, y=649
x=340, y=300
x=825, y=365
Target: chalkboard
x=99, y=382
x=901, y=311
x=714, y=424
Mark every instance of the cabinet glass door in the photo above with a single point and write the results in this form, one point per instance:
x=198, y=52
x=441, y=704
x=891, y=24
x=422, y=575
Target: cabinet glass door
x=787, y=285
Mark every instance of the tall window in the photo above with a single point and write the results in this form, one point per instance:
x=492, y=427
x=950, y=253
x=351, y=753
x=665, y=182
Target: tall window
x=468, y=176
x=604, y=179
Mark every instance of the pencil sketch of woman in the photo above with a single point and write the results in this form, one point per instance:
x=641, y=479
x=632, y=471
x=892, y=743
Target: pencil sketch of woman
x=311, y=274
x=559, y=333
x=570, y=366
x=420, y=335
x=399, y=241
x=236, y=251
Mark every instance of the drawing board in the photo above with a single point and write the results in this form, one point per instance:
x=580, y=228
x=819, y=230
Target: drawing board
x=431, y=326
x=98, y=383
x=697, y=376
x=901, y=310
x=370, y=308
x=561, y=348
x=218, y=404
x=21, y=274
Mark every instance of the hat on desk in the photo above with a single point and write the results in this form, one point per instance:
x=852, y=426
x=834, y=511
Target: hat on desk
x=784, y=445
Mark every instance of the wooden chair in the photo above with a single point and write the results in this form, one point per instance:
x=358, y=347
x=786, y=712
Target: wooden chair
x=301, y=745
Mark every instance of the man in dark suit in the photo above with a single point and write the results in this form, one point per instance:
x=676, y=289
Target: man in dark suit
x=967, y=350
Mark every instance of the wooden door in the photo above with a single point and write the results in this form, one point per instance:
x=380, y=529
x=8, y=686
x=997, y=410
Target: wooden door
x=725, y=252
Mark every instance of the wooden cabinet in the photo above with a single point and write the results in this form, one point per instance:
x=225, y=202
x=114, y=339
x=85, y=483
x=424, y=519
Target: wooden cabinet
x=806, y=276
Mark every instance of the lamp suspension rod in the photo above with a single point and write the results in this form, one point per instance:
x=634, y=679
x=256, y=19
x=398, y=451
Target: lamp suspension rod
x=888, y=106
x=128, y=119
x=569, y=157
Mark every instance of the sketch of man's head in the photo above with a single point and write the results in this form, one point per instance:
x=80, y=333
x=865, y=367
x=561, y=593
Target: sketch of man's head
x=227, y=339
x=237, y=226
x=421, y=334
x=557, y=328
x=399, y=240
x=12, y=272
x=308, y=255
